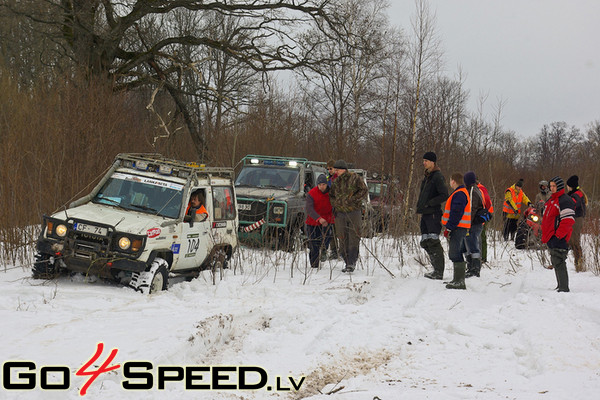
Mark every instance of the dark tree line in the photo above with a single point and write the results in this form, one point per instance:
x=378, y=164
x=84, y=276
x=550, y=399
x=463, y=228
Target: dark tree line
x=215, y=80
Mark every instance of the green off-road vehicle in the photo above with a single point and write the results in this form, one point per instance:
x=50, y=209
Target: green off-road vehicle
x=271, y=196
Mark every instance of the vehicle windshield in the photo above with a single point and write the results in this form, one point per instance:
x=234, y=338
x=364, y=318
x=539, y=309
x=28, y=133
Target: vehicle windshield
x=376, y=189
x=141, y=193
x=269, y=177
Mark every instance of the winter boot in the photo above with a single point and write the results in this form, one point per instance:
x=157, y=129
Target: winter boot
x=459, y=276
x=469, y=259
x=474, y=269
x=563, y=278
x=436, y=255
x=323, y=255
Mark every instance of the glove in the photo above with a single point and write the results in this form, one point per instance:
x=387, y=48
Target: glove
x=447, y=233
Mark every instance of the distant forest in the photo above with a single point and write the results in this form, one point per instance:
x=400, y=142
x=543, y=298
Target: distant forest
x=84, y=80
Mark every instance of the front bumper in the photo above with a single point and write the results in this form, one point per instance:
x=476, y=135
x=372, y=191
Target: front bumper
x=89, y=260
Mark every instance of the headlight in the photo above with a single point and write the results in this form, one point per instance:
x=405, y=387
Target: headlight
x=124, y=243
x=278, y=210
x=61, y=230
x=535, y=218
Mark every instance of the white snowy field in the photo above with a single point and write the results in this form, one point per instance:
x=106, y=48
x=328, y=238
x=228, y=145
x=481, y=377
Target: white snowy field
x=361, y=336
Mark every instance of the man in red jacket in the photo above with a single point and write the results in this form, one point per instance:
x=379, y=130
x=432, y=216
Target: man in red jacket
x=557, y=226
x=319, y=220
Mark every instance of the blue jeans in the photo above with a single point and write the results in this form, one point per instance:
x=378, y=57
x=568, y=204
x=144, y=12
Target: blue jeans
x=318, y=238
x=471, y=243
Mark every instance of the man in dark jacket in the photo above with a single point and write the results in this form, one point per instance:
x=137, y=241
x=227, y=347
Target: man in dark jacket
x=557, y=226
x=433, y=194
x=472, y=241
x=580, y=209
x=347, y=194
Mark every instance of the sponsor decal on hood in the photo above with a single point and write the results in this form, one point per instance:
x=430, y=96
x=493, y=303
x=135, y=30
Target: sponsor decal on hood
x=154, y=232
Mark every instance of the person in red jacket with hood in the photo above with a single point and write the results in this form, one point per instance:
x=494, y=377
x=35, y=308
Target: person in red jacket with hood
x=557, y=226
x=319, y=220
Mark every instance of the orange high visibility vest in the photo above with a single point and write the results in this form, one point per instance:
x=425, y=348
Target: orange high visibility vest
x=516, y=199
x=465, y=221
x=200, y=210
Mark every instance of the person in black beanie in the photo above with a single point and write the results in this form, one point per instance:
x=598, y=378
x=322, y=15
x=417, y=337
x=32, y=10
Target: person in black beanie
x=557, y=227
x=471, y=244
x=433, y=194
x=580, y=209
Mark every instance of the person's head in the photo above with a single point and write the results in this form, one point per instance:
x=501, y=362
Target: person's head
x=330, y=165
x=573, y=182
x=429, y=160
x=340, y=167
x=197, y=198
x=456, y=180
x=322, y=183
x=519, y=185
x=556, y=184
x=470, y=178
x=543, y=186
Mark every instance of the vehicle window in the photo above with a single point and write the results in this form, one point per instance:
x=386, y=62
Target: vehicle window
x=308, y=180
x=223, y=204
x=142, y=194
x=376, y=189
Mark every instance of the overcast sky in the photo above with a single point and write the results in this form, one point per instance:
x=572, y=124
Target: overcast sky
x=541, y=56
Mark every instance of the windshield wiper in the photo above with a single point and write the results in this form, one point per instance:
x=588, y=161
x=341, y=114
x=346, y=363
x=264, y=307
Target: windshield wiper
x=273, y=187
x=115, y=202
x=145, y=208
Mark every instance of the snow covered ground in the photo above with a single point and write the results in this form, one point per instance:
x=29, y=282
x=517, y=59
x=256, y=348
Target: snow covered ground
x=365, y=336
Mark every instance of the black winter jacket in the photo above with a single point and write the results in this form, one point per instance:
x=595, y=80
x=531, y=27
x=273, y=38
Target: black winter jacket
x=434, y=192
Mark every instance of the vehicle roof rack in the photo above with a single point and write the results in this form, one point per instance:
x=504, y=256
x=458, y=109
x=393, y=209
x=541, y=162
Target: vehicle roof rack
x=278, y=160
x=157, y=163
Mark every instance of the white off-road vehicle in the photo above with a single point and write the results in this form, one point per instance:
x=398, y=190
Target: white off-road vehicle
x=133, y=226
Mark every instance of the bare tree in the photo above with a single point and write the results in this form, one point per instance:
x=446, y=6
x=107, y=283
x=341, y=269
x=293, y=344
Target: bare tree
x=343, y=91
x=136, y=43
x=555, y=146
x=425, y=59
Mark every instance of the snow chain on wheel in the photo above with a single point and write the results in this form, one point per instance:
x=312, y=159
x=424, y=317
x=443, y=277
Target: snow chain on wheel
x=44, y=267
x=153, y=280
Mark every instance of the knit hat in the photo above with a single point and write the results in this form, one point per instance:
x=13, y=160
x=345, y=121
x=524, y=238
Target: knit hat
x=470, y=178
x=430, y=155
x=560, y=184
x=340, y=164
x=573, y=182
x=321, y=179
x=519, y=183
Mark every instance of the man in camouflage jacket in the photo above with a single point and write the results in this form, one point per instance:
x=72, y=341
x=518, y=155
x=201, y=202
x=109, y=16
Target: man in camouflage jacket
x=347, y=194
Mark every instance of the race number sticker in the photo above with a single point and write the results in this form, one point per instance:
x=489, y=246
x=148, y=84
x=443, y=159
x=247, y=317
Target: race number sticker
x=193, y=244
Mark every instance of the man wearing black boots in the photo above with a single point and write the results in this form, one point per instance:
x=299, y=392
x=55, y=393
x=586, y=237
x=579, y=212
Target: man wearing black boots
x=557, y=226
x=471, y=245
x=431, y=197
x=457, y=220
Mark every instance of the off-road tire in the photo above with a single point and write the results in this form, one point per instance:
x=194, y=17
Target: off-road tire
x=44, y=267
x=160, y=280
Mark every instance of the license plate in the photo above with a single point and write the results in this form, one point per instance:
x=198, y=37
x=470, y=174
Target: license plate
x=244, y=207
x=96, y=230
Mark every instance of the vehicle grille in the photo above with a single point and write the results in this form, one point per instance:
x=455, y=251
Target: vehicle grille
x=258, y=210
x=85, y=244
